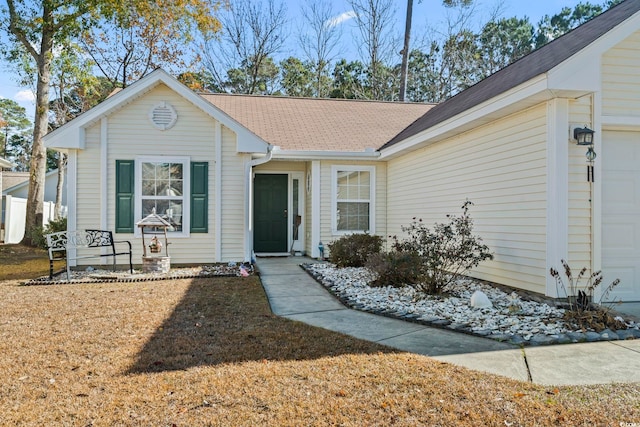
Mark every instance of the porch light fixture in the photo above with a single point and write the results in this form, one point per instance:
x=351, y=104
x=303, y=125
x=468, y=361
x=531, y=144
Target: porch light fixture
x=584, y=136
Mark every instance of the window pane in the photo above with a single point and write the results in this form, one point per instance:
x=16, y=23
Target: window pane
x=162, y=187
x=296, y=209
x=342, y=185
x=148, y=187
x=148, y=171
x=174, y=214
x=176, y=171
x=364, y=193
x=162, y=170
x=353, y=185
x=353, y=216
x=175, y=188
x=170, y=210
x=147, y=206
x=364, y=179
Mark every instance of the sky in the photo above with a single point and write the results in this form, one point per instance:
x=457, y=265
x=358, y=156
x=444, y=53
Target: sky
x=426, y=14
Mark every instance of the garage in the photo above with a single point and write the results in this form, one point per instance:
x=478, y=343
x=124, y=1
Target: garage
x=621, y=213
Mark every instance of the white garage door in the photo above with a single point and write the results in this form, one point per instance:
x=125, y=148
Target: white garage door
x=621, y=213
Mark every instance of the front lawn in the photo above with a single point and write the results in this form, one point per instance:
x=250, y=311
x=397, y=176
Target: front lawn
x=209, y=352
x=24, y=262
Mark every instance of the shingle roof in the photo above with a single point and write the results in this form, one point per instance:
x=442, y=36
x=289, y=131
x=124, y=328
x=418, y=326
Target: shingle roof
x=538, y=62
x=319, y=124
x=10, y=179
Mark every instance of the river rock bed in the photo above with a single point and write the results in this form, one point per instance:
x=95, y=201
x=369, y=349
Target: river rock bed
x=512, y=318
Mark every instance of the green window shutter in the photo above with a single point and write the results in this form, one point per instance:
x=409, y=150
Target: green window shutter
x=199, y=197
x=125, y=184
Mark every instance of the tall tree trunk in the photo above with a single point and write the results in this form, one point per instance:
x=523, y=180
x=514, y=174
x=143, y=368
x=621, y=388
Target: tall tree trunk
x=38, y=163
x=405, y=52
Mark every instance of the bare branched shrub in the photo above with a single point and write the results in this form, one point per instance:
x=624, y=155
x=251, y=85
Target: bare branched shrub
x=445, y=252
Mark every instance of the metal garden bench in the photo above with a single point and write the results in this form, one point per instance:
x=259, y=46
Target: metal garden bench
x=60, y=243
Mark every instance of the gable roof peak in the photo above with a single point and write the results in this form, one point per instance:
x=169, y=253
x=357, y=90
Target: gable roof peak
x=536, y=63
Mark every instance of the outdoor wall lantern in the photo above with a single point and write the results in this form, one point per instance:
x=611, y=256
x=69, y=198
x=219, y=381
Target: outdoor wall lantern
x=584, y=136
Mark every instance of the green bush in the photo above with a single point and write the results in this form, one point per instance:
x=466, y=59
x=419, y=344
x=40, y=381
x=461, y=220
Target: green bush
x=37, y=234
x=395, y=269
x=446, y=252
x=353, y=250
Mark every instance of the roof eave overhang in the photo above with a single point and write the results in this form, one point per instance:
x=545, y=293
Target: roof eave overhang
x=5, y=163
x=524, y=95
x=325, y=155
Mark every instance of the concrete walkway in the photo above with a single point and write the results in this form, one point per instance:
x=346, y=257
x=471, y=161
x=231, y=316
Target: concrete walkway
x=295, y=295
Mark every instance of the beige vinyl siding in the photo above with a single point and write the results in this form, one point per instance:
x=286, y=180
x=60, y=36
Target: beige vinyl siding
x=88, y=202
x=130, y=134
x=621, y=79
x=501, y=168
x=579, y=190
x=326, y=234
x=233, y=198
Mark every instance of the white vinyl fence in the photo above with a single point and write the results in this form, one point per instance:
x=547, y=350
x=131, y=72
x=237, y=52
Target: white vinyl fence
x=15, y=213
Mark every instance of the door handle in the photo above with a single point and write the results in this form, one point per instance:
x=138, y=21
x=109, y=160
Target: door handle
x=285, y=213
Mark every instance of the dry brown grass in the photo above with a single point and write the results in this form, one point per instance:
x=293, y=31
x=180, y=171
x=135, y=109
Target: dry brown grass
x=209, y=352
x=24, y=262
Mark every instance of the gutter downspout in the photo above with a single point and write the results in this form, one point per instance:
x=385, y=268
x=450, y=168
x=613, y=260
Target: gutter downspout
x=248, y=203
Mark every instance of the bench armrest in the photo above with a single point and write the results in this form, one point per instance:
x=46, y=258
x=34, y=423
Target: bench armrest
x=123, y=241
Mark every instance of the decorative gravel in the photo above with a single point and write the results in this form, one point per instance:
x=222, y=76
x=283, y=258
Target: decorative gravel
x=93, y=275
x=512, y=318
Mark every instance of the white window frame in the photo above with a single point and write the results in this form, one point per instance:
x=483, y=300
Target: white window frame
x=186, y=191
x=334, y=197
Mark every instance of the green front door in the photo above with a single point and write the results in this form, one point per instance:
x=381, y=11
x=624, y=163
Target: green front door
x=270, y=214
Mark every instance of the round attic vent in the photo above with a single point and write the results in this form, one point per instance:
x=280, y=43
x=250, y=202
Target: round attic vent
x=163, y=116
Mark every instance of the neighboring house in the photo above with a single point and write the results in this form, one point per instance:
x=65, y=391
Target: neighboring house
x=10, y=179
x=13, y=224
x=21, y=187
x=244, y=174
x=4, y=163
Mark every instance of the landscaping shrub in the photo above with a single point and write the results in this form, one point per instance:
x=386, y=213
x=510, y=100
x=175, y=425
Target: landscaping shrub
x=394, y=268
x=353, y=250
x=37, y=234
x=446, y=252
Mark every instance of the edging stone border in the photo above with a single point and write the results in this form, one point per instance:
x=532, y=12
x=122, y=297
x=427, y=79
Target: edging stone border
x=514, y=339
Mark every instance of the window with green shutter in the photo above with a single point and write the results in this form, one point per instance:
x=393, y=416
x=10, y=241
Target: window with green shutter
x=175, y=187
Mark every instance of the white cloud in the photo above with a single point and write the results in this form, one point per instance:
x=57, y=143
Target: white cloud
x=341, y=18
x=24, y=96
